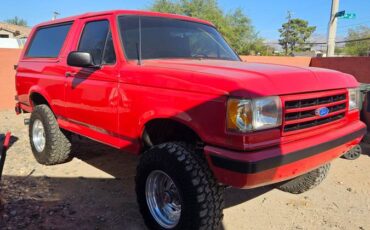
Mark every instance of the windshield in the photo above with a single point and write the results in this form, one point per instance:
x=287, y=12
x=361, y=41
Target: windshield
x=170, y=38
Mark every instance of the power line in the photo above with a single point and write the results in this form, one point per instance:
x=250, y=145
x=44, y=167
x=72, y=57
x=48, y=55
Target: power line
x=324, y=43
x=354, y=40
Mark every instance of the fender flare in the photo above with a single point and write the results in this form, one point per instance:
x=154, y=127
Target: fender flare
x=37, y=89
x=177, y=116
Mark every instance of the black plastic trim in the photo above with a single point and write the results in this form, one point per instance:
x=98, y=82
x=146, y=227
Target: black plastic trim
x=273, y=162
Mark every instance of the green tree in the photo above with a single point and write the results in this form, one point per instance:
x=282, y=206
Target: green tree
x=294, y=33
x=358, y=48
x=239, y=32
x=235, y=26
x=166, y=6
x=260, y=48
x=17, y=21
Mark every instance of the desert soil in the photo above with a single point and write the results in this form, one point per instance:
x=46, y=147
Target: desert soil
x=96, y=191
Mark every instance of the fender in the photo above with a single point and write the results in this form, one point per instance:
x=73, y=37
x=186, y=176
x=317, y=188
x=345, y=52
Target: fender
x=166, y=113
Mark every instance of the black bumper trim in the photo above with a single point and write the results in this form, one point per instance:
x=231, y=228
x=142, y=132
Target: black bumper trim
x=273, y=162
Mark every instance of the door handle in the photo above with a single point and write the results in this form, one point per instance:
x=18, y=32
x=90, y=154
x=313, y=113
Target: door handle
x=70, y=74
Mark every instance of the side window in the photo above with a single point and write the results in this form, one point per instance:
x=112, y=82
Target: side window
x=129, y=26
x=48, y=41
x=97, y=40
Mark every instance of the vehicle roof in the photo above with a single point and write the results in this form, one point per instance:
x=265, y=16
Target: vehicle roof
x=125, y=12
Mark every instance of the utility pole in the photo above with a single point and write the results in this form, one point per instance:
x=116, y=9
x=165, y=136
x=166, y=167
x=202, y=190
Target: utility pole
x=332, y=28
x=55, y=15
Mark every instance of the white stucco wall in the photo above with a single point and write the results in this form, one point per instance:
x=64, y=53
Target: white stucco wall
x=9, y=43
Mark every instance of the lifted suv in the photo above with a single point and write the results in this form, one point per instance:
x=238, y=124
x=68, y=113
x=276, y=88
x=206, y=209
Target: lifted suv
x=170, y=88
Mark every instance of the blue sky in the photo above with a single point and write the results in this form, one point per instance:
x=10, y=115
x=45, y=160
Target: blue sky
x=266, y=15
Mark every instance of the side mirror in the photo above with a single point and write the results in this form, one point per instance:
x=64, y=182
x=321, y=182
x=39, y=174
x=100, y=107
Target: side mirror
x=81, y=59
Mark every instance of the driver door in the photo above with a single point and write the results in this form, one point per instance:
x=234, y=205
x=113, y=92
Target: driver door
x=91, y=93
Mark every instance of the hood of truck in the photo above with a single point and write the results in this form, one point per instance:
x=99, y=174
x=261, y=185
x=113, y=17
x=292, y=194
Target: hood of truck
x=241, y=79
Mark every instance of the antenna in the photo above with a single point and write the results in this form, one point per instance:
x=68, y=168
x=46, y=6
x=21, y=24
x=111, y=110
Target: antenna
x=55, y=15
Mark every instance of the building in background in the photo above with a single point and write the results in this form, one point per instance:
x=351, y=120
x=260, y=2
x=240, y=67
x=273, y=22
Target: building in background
x=13, y=36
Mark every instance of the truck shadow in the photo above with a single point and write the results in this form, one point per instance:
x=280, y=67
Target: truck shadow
x=42, y=202
x=68, y=203
x=122, y=166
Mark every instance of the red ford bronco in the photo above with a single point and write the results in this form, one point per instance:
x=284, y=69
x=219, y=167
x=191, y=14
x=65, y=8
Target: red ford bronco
x=170, y=88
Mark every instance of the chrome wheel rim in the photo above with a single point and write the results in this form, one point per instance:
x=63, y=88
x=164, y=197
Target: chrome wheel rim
x=163, y=199
x=38, y=135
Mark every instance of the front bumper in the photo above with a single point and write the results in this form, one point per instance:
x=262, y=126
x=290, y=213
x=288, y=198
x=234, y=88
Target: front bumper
x=289, y=160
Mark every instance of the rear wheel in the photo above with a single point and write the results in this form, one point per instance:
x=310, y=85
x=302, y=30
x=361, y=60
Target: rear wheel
x=306, y=181
x=176, y=189
x=49, y=144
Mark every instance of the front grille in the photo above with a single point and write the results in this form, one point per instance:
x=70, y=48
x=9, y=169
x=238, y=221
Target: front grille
x=301, y=113
x=314, y=101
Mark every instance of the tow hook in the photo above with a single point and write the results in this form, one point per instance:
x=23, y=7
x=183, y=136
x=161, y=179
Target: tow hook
x=26, y=121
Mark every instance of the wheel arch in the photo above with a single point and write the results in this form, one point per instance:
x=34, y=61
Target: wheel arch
x=166, y=129
x=37, y=96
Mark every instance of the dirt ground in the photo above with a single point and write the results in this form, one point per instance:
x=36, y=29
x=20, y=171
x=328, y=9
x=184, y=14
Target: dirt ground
x=96, y=191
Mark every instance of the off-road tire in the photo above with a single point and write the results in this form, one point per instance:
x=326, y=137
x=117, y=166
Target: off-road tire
x=353, y=153
x=57, y=146
x=202, y=198
x=306, y=181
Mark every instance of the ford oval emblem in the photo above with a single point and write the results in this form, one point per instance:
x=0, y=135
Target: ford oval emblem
x=322, y=111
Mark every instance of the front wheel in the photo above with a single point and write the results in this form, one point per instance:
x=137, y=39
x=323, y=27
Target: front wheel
x=176, y=189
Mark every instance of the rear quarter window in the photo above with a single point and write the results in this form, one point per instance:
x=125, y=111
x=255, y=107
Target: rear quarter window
x=48, y=41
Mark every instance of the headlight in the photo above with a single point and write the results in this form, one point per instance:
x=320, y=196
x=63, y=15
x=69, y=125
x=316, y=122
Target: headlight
x=255, y=114
x=354, y=98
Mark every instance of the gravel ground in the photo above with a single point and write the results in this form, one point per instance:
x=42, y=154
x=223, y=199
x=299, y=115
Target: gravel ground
x=96, y=191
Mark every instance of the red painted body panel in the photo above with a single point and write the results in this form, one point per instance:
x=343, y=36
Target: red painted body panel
x=112, y=104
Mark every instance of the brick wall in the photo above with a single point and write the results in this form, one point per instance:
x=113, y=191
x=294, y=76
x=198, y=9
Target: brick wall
x=8, y=58
x=293, y=61
x=356, y=66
